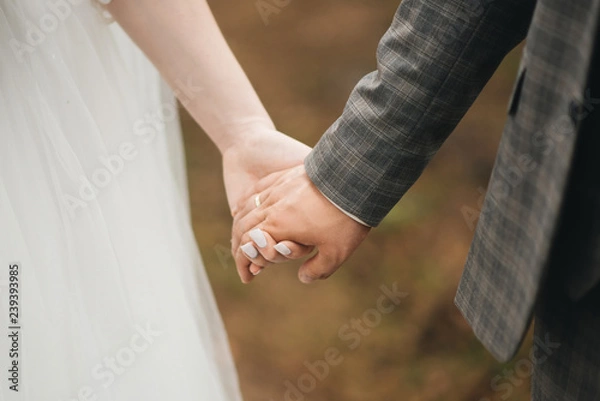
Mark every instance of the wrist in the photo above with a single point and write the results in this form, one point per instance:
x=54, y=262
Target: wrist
x=248, y=136
x=350, y=215
x=243, y=134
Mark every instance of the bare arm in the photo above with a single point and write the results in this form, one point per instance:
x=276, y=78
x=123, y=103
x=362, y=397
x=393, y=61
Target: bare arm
x=182, y=39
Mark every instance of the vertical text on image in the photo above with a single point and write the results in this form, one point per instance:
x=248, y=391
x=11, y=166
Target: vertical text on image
x=14, y=326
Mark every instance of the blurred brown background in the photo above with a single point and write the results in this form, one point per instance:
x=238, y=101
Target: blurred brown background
x=303, y=64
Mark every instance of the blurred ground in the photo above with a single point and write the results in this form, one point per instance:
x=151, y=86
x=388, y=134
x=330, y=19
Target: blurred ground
x=304, y=64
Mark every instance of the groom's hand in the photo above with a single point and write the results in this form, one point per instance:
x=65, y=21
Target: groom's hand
x=293, y=212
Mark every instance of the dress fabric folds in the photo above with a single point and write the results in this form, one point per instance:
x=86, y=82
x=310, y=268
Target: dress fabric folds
x=97, y=255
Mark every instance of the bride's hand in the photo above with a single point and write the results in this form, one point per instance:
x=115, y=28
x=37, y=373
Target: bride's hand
x=263, y=151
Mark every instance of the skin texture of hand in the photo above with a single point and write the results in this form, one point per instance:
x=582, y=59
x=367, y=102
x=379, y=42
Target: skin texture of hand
x=294, y=211
x=262, y=152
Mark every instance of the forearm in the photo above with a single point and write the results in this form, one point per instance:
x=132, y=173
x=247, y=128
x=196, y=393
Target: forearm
x=184, y=42
x=432, y=64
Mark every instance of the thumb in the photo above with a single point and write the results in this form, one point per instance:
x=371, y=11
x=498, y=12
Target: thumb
x=318, y=267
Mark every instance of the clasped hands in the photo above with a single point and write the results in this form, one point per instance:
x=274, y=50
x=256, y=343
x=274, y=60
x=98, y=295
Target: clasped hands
x=285, y=217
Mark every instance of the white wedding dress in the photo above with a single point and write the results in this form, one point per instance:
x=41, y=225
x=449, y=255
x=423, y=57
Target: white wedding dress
x=112, y=303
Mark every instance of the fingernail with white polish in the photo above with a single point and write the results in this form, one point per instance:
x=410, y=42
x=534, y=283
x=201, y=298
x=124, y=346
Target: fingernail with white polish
x=249, y=250
x=258, y=237
x=282, y=249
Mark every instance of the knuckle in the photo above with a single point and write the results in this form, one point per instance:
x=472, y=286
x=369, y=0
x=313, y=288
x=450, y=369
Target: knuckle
x=261, y=262
x=325, y=275
x=242, y=227
x=322, y=275
x=272, y=224
x=271, y=255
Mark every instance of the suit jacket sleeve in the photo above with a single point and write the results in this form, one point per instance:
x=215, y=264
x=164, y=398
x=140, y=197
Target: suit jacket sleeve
x=432, y=63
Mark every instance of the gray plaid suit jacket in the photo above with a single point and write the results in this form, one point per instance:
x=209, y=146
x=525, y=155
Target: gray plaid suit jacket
x=432, y=64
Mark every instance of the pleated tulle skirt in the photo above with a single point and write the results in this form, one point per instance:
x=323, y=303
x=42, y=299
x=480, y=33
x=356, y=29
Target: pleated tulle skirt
x=103, y=295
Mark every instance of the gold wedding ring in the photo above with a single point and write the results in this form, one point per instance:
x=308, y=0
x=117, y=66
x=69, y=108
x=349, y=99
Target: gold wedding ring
x=257, y=200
